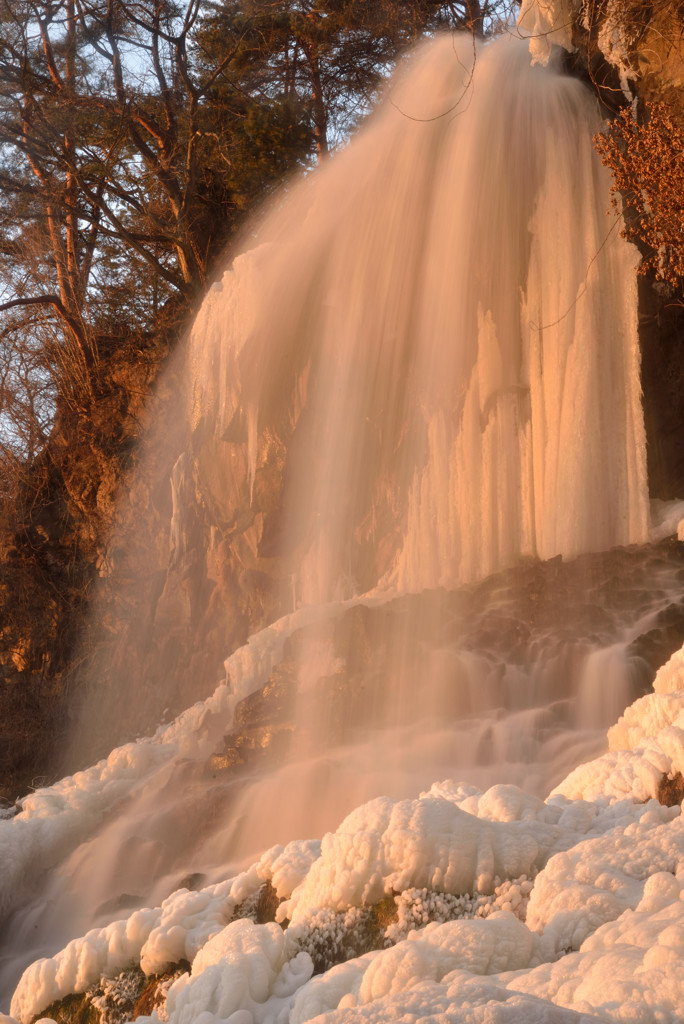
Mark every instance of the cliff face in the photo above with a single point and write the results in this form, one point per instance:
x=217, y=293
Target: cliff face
x=631, y=52
x=641, y=42
x=650, y=58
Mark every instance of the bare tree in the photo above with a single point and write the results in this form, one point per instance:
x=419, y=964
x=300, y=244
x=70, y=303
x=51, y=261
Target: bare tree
x=103, y=145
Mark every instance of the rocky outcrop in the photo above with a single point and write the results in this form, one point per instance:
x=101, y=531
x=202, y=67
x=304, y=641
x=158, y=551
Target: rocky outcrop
x=626, y=50
x=661, y=330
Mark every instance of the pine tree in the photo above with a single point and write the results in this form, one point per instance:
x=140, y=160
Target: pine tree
x=328, y=56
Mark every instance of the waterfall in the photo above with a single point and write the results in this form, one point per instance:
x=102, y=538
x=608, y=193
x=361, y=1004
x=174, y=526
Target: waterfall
x=440, y=330
x=422, y=372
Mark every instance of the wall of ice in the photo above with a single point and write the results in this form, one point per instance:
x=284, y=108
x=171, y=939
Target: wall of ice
x=430, y=363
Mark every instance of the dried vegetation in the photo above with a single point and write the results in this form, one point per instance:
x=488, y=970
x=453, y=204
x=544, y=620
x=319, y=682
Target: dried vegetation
x=647, y=161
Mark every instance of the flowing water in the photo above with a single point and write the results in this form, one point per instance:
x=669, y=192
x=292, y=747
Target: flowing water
x=439, y=333
x=446, y=319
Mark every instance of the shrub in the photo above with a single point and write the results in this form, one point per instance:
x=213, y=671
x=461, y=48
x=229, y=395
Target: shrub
x=647, y=161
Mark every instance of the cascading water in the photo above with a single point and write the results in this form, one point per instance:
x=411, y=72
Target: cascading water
x=437, y=337
x=453, y=363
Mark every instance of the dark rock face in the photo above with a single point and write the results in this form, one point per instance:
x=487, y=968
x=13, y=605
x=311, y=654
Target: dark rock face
x=661, y=332
x=128, y=995
x=654, y=48
x=658, y=644
x=261, y=907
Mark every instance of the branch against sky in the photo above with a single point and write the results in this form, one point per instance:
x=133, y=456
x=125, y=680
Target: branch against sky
x=136, y=135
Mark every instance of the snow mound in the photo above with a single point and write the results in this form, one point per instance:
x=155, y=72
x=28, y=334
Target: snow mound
x=459, y=906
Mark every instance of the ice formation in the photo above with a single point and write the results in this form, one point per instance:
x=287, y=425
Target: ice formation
x=549, y=22
x=593, y=931
x=500, y=351
x=522, y=436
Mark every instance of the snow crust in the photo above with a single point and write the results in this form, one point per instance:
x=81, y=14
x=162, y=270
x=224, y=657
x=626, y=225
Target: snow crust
x=388, y=846
x=601, y=937
x=509, y=907
x=646, y=743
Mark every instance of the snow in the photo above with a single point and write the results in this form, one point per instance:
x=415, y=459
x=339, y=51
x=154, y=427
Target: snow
x=55, y=820
x=670, y=677
x=510, y=908
x=241, y=975
x=666, y=519
x=646, y=743
x=182, y=928
x=388, y=846
x=624, y=972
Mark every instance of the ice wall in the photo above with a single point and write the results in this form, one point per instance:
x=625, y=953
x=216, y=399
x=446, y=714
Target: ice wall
x=439, y=330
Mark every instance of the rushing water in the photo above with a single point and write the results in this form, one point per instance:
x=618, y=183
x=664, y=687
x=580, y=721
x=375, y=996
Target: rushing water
x=439, y=332
x=443, y=328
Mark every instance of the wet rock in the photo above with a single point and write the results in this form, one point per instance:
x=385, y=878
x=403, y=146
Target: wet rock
x=273, y=703
x=658, y=644
x=485, y=646
x=74, y=1009
x=255, y=747
x=118, y=905
x=261, y=907
x=153, y=996
x=192, y=882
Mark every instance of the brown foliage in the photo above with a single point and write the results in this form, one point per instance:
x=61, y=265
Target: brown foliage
x=647, y=161
x=633, y=20
x=671, y=790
